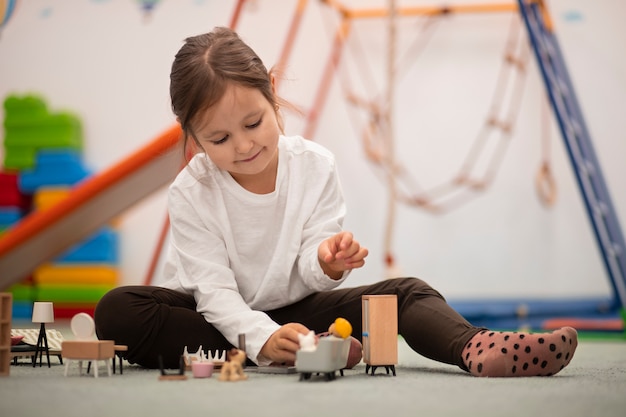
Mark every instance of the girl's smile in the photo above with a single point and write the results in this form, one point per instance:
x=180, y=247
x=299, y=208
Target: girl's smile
x=252, y=158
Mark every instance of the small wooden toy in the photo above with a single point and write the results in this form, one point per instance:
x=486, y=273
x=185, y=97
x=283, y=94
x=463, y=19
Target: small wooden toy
x=217, y=360
x=380, y=332
x=88, y=350
x=232, y=370
x=179, y=376
x=84, y=349
x=6, y=300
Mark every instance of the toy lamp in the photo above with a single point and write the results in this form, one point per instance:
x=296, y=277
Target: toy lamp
x=43, y=312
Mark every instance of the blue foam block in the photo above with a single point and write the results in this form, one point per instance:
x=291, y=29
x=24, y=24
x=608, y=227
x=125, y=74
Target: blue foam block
x=53, y=167
x=9, y=216
x=22, y=310
x=102, y=247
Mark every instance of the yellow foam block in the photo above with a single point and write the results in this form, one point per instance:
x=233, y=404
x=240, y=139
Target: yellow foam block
x=76, y=274
x=48, y=196
x=45, y=197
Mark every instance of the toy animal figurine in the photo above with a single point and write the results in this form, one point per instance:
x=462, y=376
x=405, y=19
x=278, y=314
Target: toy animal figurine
x=307, y=341
x=232, y=370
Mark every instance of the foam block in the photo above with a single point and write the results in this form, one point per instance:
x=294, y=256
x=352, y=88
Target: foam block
x=45, y=197
x=30, y=127
x=102, y=247
x=9, y=216
x=67, y=311
x=70, y=274
x=63, y=293
x=22, y=292
x=10, y=195
x=59, y=167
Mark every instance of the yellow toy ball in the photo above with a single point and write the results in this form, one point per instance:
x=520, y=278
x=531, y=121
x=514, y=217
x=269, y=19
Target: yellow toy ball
x=341, y=328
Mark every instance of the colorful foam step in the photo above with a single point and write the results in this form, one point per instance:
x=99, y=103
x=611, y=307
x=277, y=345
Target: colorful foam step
x=54, y=167
x=48, y=196
x=102, y=247
x=79, y=275
x=9, y=216
x=67, y=311
x=21, y=109
x=45, y=197
x=29, y=127
x=10, y=194
x=71, y=294
x=22, y=310
x=22, y=292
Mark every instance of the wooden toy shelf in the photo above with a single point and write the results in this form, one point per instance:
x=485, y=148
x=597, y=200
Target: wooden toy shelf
x=6, y=300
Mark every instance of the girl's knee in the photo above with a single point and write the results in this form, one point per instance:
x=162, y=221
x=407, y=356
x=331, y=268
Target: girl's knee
x=117, y=308
x=417, y=287
x=115, y=301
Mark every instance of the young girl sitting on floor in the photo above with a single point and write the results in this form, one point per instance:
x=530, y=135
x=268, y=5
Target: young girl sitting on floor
x=257, y=245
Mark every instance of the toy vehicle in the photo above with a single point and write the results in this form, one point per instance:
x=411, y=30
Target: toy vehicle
x=330, y=355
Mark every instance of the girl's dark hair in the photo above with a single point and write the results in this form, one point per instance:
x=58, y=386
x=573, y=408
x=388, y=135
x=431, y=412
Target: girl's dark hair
x=202, y=69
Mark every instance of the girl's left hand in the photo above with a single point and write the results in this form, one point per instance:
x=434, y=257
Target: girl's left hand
x=340, y=253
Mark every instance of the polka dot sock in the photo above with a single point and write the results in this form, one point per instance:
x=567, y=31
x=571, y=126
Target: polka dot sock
x=505, y=354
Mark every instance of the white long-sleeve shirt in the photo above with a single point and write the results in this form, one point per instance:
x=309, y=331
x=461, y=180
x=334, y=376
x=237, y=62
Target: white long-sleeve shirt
x=241, y=253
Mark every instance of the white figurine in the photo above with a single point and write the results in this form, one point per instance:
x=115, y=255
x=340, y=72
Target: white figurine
x=307, y=341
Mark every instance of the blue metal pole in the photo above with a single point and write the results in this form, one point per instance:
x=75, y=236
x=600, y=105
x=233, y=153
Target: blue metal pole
x=579, y=146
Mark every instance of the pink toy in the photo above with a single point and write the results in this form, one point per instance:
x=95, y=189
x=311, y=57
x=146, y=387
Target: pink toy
x=202, y=369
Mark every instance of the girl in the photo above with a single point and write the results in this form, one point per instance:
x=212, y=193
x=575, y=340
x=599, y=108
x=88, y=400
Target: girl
x=257, y=246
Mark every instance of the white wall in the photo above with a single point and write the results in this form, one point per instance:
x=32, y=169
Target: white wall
x=102, y=60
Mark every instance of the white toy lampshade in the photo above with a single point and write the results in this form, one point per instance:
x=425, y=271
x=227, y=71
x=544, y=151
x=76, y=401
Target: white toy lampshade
x=43, y=312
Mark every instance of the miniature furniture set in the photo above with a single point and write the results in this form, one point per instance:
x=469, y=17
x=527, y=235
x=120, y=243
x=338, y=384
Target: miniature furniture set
x=43, y=312
x=380, y=332
x=6, y=301
x=330, y=355
x=85, y=348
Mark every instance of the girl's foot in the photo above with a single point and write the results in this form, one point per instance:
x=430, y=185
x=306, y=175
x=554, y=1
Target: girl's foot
x=502, y=354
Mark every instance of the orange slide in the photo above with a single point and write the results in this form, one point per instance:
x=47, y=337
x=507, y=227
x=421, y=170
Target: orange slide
x=44, y=234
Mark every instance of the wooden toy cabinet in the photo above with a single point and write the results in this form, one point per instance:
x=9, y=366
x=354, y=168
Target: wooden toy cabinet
x=380, y=332
x=6, y=301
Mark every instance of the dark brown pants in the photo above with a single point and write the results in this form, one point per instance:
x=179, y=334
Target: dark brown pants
x=155, y=321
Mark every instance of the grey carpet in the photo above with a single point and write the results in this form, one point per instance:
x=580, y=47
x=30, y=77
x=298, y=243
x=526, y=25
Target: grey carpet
x=593, y=385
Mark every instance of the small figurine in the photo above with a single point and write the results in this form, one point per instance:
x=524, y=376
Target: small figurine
x=232, y=370
x=340, y=328
x=307, y=341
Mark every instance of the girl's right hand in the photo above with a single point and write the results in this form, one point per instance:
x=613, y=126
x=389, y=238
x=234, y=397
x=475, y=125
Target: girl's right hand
x=283, y=344
x=340, y=253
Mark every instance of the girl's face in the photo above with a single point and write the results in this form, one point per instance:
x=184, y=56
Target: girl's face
x=240, y=135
